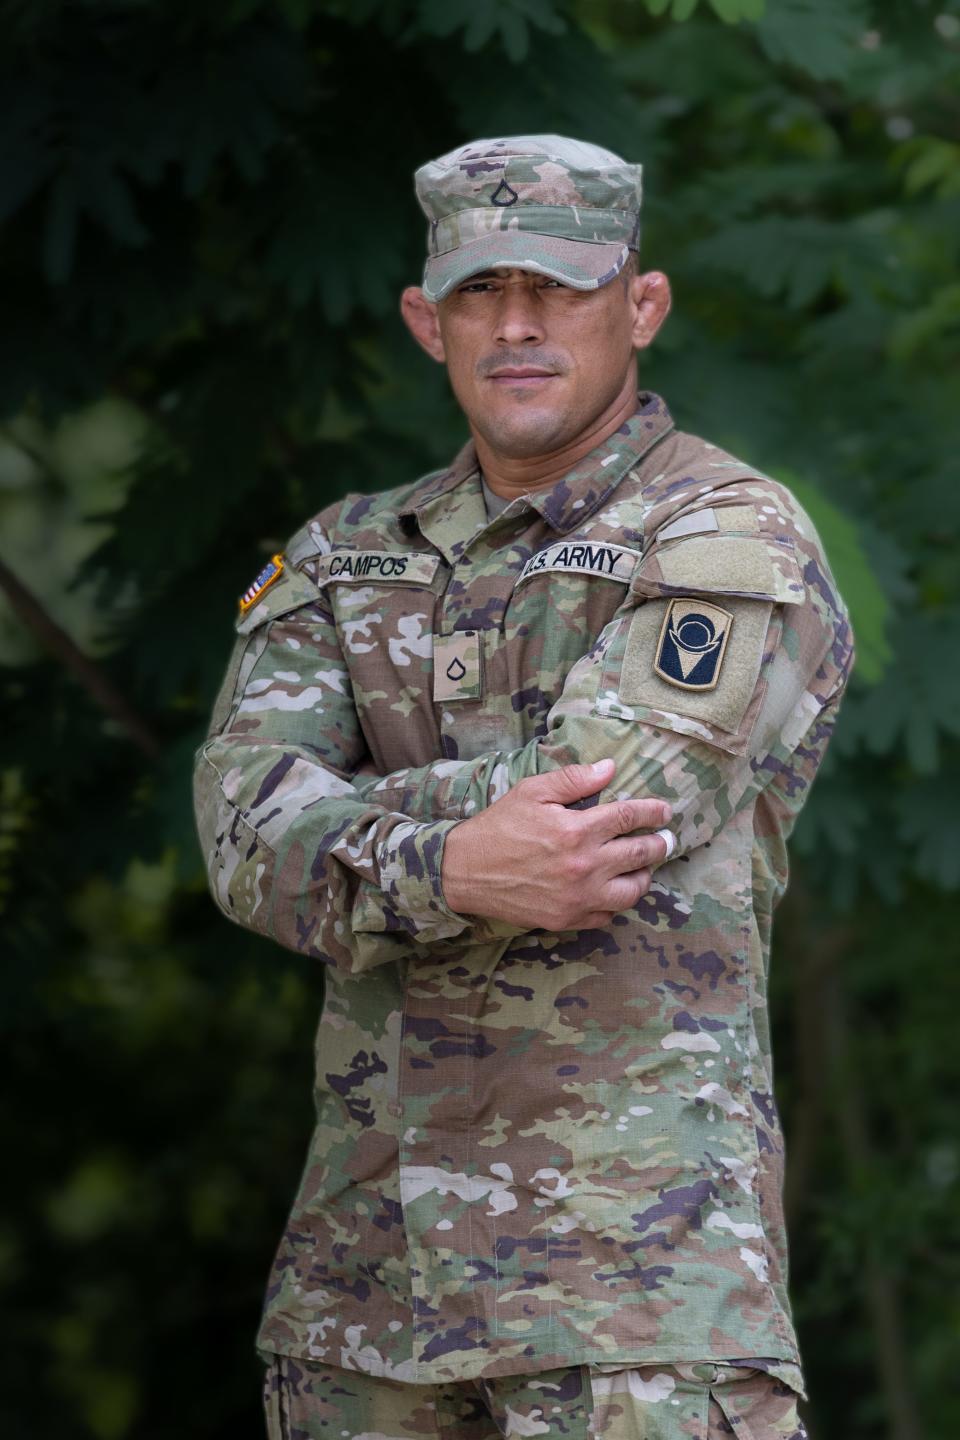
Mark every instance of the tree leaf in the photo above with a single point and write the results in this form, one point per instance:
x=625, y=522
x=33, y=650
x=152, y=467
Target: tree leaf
x=855, y=577
x=733, y=11
x=819, y=36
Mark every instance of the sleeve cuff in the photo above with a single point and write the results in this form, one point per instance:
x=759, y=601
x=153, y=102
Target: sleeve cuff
x=409, y=898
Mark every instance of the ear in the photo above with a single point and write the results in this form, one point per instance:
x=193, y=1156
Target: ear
x=650, y=296
x=420, y=318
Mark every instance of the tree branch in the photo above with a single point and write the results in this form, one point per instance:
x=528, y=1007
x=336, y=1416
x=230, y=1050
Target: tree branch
x=90, y=675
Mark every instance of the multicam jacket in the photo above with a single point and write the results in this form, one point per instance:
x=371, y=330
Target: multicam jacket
x=533, y=1149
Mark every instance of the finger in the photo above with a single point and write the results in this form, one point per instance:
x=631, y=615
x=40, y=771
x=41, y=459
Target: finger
x=622, y=857
x=597, y=920
x=569, y=784
x=625, y=891
x=622, y=817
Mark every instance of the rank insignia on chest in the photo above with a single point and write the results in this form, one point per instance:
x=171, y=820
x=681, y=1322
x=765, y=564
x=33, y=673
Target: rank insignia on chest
x=457, y=668
x=692, y=643
x=270, y=572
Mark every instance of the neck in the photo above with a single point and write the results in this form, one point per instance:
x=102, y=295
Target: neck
x=509, y=476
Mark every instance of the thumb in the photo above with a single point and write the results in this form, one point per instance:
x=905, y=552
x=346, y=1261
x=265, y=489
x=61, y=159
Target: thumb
x=571, y=783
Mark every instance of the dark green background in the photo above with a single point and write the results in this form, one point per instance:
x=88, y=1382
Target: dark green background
x=207, y=216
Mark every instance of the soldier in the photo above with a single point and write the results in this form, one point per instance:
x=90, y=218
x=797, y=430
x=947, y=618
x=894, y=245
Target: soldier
x=514, y=750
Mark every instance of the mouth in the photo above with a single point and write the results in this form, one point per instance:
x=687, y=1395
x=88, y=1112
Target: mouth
x=522, y=375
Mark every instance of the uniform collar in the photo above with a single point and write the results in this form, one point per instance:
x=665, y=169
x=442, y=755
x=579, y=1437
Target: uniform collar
x=450, y=511
x=588, y=485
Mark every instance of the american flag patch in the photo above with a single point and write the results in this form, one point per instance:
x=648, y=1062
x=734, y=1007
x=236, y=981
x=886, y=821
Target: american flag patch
x=270, y=572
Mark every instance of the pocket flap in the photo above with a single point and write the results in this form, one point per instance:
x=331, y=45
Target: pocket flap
x=756, y=568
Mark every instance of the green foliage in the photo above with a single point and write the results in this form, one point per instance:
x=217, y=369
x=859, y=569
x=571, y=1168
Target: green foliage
x=207, y=217
x=729, y=10
x=510, y=21
x=817, y=36
x=856, y=578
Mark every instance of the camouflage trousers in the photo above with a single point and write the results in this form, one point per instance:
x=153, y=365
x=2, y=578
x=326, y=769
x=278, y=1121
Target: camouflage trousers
x=305, y=1400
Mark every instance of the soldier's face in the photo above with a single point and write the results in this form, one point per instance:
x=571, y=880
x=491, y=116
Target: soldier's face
x=534, y=363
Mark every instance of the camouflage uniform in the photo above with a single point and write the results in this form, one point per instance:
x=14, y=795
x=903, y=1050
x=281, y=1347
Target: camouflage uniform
x=534, y=1150
x=305, y=1398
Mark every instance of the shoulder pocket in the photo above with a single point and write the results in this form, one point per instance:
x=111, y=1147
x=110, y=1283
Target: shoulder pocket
x=693, y=655
x=289, y=591
x=756, y=568
x=646, y=677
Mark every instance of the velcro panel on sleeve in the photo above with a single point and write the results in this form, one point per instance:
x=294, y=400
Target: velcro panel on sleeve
x=737, y=519
x=288, y=593
x=763, y=569
x=722, y=715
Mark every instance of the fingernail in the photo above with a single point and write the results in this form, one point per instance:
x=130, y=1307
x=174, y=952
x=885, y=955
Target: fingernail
x=599, y=765
x=667, y=812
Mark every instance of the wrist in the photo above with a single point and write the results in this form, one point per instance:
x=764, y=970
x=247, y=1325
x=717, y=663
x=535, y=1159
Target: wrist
x=455, y=870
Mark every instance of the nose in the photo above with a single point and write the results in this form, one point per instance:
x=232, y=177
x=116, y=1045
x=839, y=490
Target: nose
x=519, y=317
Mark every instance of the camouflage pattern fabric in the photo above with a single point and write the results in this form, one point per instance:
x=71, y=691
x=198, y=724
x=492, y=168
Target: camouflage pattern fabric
x=545, y=203
x=311, y=1401
x=533, y=1149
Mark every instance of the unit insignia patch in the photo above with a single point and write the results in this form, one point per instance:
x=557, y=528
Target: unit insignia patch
x=692, y=643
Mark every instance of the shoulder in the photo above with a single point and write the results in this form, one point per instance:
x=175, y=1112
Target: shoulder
x=715, y=525
x=292, y=578
x=708, y=499
x=356, y=520
x=688, y=480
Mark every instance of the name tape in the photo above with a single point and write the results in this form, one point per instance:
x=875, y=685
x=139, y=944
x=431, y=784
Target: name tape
x=609, y=562
x=372, y=567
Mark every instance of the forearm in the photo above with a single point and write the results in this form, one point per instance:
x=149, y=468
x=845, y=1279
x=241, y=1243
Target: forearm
x=296, y=853
x=704, y=772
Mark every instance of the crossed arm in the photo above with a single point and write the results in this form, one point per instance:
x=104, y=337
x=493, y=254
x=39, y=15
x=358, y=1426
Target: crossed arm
x=357, y=869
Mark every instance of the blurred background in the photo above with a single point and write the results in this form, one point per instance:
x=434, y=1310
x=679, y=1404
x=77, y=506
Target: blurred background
x=207, y=217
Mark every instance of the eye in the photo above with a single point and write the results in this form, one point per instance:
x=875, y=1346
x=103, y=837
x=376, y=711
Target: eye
x=474, y=287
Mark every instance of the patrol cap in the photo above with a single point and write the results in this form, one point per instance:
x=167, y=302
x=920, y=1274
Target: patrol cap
x=560, y=207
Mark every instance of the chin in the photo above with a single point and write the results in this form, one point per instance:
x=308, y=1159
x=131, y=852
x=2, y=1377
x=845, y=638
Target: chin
x=525, y=433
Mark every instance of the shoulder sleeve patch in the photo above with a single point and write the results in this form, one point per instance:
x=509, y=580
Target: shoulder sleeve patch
x=281, y=590
x=270, y=572
x=692, y=644
x=687, y=658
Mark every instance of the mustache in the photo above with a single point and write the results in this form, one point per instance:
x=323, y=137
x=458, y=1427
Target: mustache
x=544, y=359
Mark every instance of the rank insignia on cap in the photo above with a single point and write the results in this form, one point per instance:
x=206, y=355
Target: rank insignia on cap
x=270, y=572
x=692, y=643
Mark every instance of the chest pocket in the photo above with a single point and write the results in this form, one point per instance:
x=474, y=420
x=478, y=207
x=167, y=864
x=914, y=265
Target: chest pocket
x=384, y=603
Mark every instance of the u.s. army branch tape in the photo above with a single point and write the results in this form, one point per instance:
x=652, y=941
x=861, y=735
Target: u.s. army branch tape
x=607, y=562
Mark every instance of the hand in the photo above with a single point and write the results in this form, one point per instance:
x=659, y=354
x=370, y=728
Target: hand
x=533, y=862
